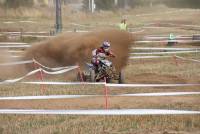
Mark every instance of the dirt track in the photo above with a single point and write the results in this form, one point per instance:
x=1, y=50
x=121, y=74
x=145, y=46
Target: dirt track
x=139, y=71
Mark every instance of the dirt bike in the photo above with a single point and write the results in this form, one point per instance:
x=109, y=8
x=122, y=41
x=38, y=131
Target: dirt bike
x=105, y=70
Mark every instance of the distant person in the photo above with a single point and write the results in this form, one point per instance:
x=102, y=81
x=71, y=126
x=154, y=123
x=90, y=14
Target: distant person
x=172, y=36
x=123, y=25
x=172, y=40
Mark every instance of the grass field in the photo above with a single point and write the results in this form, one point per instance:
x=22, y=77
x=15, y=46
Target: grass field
x=137, y=71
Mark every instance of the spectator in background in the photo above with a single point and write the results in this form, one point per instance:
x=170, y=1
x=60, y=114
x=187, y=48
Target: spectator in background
x=172, y=40
x=123, y=25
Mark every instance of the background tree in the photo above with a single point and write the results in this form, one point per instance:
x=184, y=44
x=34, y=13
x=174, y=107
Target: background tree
x=104, y=4
x=109, y=4
x=183, y=3
x=100, y=4
x=18, y=3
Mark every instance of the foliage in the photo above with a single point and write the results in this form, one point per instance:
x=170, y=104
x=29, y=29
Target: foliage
x=109, y=4
x=104, y=4
x=18, y=3
x=183, y=3
x=100, y=4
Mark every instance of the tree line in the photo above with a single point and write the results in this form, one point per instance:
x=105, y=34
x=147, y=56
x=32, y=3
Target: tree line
x=111, y=4
x=17, y=3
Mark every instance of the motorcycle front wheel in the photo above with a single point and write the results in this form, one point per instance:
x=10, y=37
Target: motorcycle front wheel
x=121, y=77
x=92, y=76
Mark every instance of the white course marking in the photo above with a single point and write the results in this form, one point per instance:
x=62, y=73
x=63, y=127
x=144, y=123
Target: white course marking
x=99, y=112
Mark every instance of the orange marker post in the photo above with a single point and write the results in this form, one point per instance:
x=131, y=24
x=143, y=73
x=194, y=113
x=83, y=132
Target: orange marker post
x=40, y=77
x=175, y=59
x=106, y=94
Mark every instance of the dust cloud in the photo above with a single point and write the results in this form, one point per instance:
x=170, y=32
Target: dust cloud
x=75, y=48
x=8, y=72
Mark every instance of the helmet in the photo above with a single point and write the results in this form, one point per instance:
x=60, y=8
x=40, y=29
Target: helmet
x=106, y=46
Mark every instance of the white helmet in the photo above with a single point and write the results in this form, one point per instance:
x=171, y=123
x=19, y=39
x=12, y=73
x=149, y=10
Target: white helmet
x=106, y=46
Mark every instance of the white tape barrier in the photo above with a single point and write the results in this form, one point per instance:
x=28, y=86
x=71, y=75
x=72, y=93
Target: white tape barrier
x=42, y=32
x=16, y=63
x=154, y=27
x=15, y=51
x=13, y=43
x=148, y=57
x=18, y=79
x=167, y=35
x=28, y=21
x=78, y=31
x=81, y=25
x=38, y=36
x=151, y=41
x=175, y=52
x=34, y=61
x=47, y=97
x=135, y=28
x=182, y=25
x=9, y=22
x=150, y=85
x=15, y=56
x=64, y=83
x=82, y=96
x=139, y=31
x=53, y=69
x=166, y=38
x=15, y=46
x=153, y=14
x=172, y=24
x=30, y=35
x=159, y=27
x=99, y=112
x=11, y=32
x=111, y=85
x=60, y=71
x=159, y=94
x=166, y=41
x=187, y=59
x=159, y=48
x=167, y=12
x=189, y=35
x=35, y=71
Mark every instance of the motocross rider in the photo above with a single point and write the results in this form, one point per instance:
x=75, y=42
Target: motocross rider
x=101, y=53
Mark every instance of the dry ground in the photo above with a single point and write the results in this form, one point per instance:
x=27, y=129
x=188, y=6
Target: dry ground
x=137, y=71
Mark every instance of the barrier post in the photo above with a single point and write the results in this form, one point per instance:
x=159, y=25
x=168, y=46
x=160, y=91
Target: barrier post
x=40, y=76
x=80, y=73
x=21, y=34
x=35, y=66
x=42, y=79
x=106, y=94
x=175, y=59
